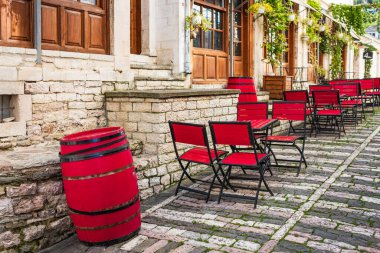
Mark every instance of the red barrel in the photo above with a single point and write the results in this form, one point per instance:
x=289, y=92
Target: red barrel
x=100, y=183
x=246, y=86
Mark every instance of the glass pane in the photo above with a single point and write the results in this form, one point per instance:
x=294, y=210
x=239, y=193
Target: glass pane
x=218, y=40
x=237, y=18
x=196, y=8
x=237, y=49
x=210, y=1
x=218, y=23
x=197, y=41
x=237, y=3
x=219, y=3
x=207, y=39
x=237, y=34
x=93, y=2
x=207, y=13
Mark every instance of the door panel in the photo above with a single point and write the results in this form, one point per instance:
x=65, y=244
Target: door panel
x=74, y=28
x=49, y=24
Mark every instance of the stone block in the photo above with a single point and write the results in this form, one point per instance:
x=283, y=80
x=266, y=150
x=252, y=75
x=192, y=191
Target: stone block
x=30, y=73
x=13, y=88
x=94, y=105
x=113, y=106
x=6, y=208
x=61, y=225
x=12, y=129
x=10, y=60
x=8, y=74
x=67, y=97
x=29, y=205
x=77, y=105
x=34, y=232
x=142, y=107
x=77, y=114
x=126, y=106
x=50, y=188
x=62, y=88
x=145, y=127
x=23, y=107
x=9, y=240
x=22, y=190
x=44, y=98
x=143, y=184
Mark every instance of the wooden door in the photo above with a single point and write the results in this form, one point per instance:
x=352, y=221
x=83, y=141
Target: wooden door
x=16, y=23
x=242, y=41
x=210, y=48
x=75, y=25
x=135, y=26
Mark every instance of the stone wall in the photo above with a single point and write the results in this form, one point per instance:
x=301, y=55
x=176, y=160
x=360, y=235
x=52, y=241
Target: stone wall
x=61, y=95
x=145, y=116
x=33, y=208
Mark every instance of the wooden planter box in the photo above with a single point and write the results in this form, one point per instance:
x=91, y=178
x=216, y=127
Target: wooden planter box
x=275, y=85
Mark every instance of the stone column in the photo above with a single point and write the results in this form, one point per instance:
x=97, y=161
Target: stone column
x=120, y=33
x=148, y=27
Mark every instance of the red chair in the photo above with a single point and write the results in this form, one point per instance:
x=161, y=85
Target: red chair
x=367, y=87
x=239, y=134
x=302, y=96
x=197, y=151
x=291, y=111
x=328, y=110
x=353, y=99
x=319, y=87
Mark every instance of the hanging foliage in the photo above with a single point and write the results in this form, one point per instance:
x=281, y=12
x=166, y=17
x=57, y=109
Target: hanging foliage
x=276, y=21
x=367, y=68
x=351, y=15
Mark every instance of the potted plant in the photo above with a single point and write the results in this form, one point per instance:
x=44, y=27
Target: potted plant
x=196, y=22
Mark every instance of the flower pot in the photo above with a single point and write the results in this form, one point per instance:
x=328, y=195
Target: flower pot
x=196, y=20
x=261, y=10
x=275, y=85
x=291, y=17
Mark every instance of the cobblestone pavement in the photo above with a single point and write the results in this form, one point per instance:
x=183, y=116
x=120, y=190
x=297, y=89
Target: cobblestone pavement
x=333, y=206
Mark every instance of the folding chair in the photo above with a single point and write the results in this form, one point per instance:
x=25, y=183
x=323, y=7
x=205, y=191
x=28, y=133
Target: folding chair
x=328, y=110
x=367, y=87
x=239, y=134
x=353, y=100
x=290, y=111
x=197, y=150
x=302, y=96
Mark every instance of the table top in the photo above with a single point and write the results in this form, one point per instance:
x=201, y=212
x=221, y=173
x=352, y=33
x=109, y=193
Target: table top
x=261, y=124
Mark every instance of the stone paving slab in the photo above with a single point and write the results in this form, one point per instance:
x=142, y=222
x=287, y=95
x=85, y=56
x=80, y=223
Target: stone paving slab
x=333, y=206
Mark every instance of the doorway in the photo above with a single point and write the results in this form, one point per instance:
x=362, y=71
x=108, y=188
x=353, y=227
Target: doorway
x=135, y=27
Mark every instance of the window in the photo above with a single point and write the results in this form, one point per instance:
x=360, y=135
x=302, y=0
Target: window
x=93, y=2
x=214, y=11
x=5, y=107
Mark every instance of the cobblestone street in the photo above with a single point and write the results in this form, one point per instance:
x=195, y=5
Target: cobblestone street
x=333, y=206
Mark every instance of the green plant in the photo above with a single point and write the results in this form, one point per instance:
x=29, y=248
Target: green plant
x=351, y=15
x=196, y=22
x=276, y=21
x=336, y=67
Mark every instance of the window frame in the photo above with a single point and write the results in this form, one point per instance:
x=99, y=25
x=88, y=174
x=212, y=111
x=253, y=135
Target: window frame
x=203, y=4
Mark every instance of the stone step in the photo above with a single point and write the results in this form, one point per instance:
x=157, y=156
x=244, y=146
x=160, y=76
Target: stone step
x=152, y=72
x=150, y=66
x=143, y=59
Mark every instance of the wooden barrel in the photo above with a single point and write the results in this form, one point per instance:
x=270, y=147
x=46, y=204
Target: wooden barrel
x=246, y=85
x=242, y=83
x=100, y=184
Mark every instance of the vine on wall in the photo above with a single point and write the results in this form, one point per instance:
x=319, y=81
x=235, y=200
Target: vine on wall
x=367, y=68
x=336, y=67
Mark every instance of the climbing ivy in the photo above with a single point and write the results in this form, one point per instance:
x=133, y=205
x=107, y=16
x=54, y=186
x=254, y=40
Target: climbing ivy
x=367, y=68
x=351, y=15
x=336, y=67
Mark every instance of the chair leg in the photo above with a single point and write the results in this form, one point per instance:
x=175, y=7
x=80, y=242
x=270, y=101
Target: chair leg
x=183, y=174
x=265, y=182
x=184, y=169
x=258, y=190
x=224, y=181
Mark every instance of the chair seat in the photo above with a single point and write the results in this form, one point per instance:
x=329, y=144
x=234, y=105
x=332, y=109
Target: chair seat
x=282, y=138
x=200, y=155
x=243, y=159
x=352, y=102
x=331, y=112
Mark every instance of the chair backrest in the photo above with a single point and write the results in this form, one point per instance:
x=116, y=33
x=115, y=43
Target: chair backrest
x=376, y=83
x=326, y=98
x=365, y=84
x=319, y=87
x=289, y=110
x=348, y=89
x=187, y=133
x=252, y=111
x=296, y=95
x=338, y=81
x=247, y=97
x=232, y=133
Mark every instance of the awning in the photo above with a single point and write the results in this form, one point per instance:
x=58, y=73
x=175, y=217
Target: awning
x=304, y=4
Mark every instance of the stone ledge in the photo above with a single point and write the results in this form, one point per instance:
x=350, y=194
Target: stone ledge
x=164, y=94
